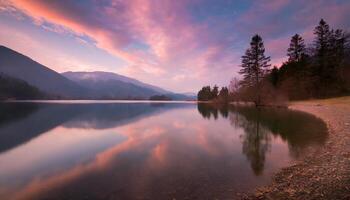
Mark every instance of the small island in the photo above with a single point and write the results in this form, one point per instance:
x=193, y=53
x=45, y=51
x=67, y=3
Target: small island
x=160, y=98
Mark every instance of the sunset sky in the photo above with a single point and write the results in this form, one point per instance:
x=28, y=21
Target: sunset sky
x=179, y=45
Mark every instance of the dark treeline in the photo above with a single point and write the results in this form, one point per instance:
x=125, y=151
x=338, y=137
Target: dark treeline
x=213, y=94
x=317, y=70
x=160, y=98
x=12, y=88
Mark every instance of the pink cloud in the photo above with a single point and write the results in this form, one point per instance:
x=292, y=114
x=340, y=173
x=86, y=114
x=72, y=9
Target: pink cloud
x=161, y=42
x=165, y=27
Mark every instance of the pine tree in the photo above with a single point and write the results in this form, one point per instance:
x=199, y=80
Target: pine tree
x=255, y=65
x=274, y=76
x=204, y=94
x=246, y=70
x=296, y=50
x=322, y=42
x=338, y=40
x=215, y=92
x=328, y=48
x=224, y=94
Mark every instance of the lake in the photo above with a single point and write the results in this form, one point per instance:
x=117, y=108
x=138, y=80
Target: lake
x=142, y=150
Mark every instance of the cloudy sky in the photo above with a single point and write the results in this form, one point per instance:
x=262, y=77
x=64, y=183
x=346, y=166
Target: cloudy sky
x=179, y=45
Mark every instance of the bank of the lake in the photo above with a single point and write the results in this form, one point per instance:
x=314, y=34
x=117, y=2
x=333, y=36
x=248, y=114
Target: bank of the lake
x=323, y=173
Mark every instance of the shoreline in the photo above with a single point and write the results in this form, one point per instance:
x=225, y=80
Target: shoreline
x=323, y=173
x=95, y=101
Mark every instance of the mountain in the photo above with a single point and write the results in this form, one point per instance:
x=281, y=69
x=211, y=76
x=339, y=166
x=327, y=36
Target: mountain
x=98, y=76
x=112, y=85
x=22, y=67
x=108, y=85
x=190, y=94
x=74, y=85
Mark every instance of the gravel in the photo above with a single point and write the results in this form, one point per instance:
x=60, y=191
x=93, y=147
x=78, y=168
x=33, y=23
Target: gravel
x=323, y=173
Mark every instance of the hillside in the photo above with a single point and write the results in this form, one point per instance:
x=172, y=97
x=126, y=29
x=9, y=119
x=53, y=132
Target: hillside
x=22, y=67
x=114, y=89
x=109, y=85
x=103, y=76
x=72, y=85
x=11, y=88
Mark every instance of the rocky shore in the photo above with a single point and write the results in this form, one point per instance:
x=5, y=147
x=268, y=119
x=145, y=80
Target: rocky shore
x=323, y=173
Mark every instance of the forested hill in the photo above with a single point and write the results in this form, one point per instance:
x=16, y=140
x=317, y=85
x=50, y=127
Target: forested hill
x=12, y=88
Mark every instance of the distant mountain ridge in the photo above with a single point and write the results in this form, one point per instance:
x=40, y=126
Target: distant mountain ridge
x=107, y=85
x=104, y=76
x=112, y=85
x=77, y=85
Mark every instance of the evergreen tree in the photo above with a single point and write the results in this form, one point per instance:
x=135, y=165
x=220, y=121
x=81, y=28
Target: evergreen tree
x=338, y=42
x=246, y=70
x=204, y=94
x=215, y=92
x=296, y=50
x=322, y=53
x=322, y=41
x=255, y=65
x=224, y=94
x=329, y=53
x=274, y=76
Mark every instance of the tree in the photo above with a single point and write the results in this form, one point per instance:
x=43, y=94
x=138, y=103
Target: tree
x=160, y=98
x=234, y=89
x=255, y=65
x=296, y=50
x=339, y=41
x=341, y=54
x=329, y=53
x=246, y=70
x=234, y=85
x=13, y=88
x=323, y=36
x=274, y=76
x=223, y=94
x=322, y=48
x=215, y=92
x=204, y=94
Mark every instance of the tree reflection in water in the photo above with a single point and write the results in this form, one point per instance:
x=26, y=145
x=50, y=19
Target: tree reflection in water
x=135, y=150
x=208, y=110
x=256, y=142
x=298, y=129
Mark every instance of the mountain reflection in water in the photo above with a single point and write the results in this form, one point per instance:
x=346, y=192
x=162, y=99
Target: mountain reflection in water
x=146, y=150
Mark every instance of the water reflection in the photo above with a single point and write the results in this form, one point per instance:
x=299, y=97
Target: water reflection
x=9, y=114
x=256, y=142
x=300, y=130
x=147, y=151
x=36, y=119
x=208, y=110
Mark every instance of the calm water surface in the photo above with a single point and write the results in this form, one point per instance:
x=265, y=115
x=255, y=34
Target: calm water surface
x=111, y=150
